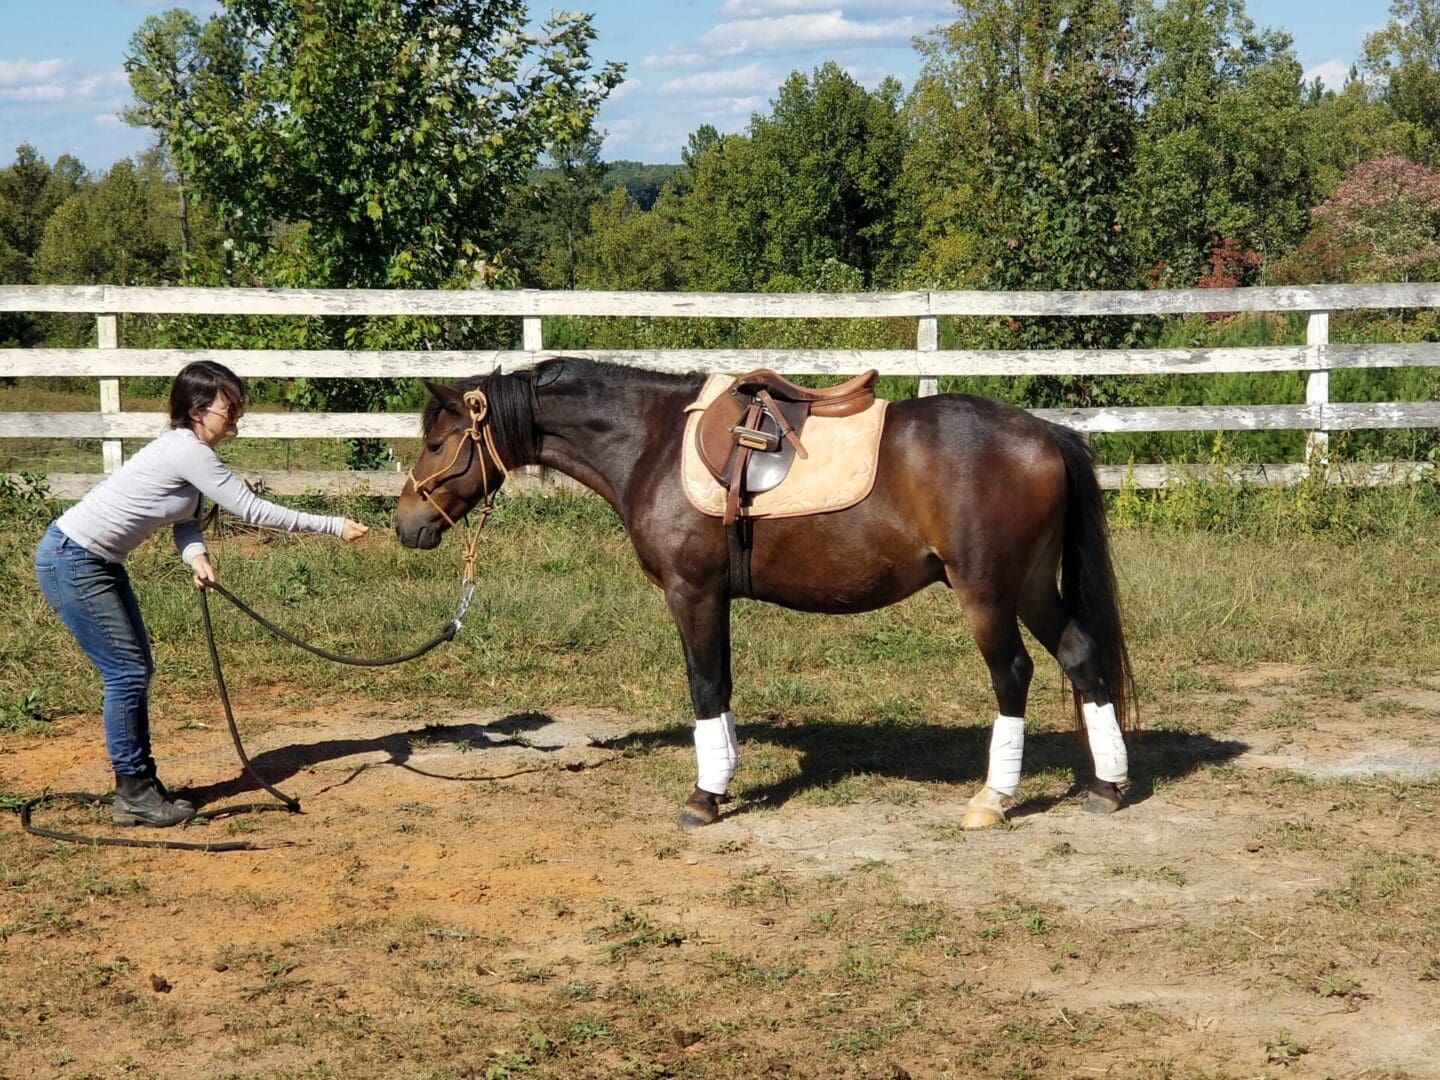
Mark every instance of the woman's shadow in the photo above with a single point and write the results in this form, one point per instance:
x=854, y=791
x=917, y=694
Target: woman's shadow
x=284, y=762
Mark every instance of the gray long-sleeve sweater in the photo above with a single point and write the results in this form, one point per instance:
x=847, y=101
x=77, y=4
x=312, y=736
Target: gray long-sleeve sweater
x=162, y=485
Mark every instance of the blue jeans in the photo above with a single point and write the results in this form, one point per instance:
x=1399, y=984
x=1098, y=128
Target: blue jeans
x=97, y=605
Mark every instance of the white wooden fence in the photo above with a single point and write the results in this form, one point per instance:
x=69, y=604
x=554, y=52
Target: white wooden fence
x=1317, y=357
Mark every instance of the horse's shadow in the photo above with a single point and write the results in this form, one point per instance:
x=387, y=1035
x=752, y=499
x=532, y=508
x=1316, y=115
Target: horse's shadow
x=935, y=753
x=828, y=753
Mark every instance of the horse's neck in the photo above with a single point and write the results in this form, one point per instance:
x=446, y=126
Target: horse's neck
x=596, y=432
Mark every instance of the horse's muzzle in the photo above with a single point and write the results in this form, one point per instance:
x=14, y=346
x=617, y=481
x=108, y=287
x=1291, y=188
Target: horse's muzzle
x=425, y=537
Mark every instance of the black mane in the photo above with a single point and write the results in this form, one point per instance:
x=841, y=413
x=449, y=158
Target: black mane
x=512, y=397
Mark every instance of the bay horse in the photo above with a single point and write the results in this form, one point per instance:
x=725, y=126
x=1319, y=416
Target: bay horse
x=977, y=494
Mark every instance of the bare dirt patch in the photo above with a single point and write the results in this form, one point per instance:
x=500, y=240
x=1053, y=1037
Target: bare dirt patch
x=504, y=895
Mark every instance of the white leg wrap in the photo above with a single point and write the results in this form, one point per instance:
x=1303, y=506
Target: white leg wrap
x=1107, y=744
x=716, y=753
x=1007, y=747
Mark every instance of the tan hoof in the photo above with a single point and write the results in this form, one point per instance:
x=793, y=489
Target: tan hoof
x=985, y=810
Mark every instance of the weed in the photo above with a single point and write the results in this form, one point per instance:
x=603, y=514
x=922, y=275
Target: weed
x=631, y=934
x=1283, y=1049
x=25, y=714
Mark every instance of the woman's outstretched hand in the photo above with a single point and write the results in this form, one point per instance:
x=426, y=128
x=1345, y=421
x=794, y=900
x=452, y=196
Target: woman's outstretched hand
x=353, y=530
x=203, y=570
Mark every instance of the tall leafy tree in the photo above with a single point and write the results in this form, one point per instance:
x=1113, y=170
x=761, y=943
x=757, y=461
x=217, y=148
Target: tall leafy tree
x=816, y=180
x=30, y=192
x=1223, y=153
x=180, y=69
x=557, y=208
x=1044, y=90
x=393, y=130
x=1403, y=58
x=383, y=137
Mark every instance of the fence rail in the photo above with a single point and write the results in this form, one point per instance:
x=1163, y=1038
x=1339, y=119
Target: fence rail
x=1317, y=358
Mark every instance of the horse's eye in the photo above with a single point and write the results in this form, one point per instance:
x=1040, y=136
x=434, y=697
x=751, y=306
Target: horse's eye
x=434, y=447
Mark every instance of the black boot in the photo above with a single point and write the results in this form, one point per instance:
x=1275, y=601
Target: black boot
x=183, y=804
x=141, y=800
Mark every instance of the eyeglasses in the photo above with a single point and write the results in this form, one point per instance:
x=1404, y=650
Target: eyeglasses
x=230, y=415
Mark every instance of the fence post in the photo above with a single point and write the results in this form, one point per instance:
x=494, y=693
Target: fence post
x=1317, y=390
x=107, y=336
x=927, y=339
x=532, y=339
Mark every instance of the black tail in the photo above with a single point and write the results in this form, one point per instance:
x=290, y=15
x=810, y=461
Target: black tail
x=1087, y=576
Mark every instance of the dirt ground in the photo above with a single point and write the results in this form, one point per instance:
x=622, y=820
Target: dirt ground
x=526, y=866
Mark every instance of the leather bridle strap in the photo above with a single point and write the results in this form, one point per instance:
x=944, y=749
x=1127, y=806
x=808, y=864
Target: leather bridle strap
x=478, y=434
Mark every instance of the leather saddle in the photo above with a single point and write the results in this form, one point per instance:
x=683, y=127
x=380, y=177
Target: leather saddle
x=749, y=436
x=764, y=414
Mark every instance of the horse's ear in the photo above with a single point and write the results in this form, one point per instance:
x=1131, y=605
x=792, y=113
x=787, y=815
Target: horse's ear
x=548, y=371
x=446, y=395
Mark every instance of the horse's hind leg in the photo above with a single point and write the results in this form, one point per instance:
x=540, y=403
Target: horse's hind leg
x=997, y=633
x=1064, y=638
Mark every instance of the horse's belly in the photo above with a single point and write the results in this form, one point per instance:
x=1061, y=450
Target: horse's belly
x=805, y=582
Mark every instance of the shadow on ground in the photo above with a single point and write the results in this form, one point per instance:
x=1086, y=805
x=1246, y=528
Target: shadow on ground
x=940, y=754
x=828, y=753
x=284, y=762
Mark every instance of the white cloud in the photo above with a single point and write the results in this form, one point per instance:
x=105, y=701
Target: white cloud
x=51, y=89
x=20, y=72
x=672, y=59
x=754, y=8
x=731, y=108
x=749, y=77
x=790, y=32
x=1332, y=73
x=625, y=89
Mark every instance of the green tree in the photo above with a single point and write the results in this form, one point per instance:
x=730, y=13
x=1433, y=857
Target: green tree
x=628, y=247
x=178, y=68
x=384, y=137
x=1352, y=125
x=558, y=203
x=1223, y=153
x=30, y=192
x=1404, y=60
x=817, y=180
x=643, y=183
x=113, y=231
x=393, y=131
x=943, y=177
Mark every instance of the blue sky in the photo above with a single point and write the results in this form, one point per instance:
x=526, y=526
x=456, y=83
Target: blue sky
x=689, y=61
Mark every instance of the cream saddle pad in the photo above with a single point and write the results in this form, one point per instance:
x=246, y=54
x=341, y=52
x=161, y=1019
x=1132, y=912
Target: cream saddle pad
x=844, y=456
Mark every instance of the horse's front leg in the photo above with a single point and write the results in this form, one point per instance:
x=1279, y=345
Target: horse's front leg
x=702, y=616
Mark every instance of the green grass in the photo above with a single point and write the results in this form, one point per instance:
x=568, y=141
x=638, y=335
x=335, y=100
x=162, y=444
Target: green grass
x=1353, y=592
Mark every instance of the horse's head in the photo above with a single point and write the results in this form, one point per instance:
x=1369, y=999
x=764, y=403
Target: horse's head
x=458, y=468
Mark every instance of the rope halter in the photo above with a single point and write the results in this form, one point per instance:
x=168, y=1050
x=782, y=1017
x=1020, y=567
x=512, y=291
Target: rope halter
x=478, y=435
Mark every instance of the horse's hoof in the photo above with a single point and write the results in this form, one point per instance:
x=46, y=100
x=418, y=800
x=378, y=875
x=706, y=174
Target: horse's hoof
x=984, y=810
x=701, y=809
x=1104, y=798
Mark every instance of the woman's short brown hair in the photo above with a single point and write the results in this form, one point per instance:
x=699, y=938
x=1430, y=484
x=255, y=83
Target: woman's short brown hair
x=196, y=387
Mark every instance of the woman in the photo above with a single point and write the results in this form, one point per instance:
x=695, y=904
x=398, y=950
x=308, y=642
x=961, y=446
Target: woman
x=79, y=565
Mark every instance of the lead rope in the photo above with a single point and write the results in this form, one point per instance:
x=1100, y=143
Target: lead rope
x=476, y=435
